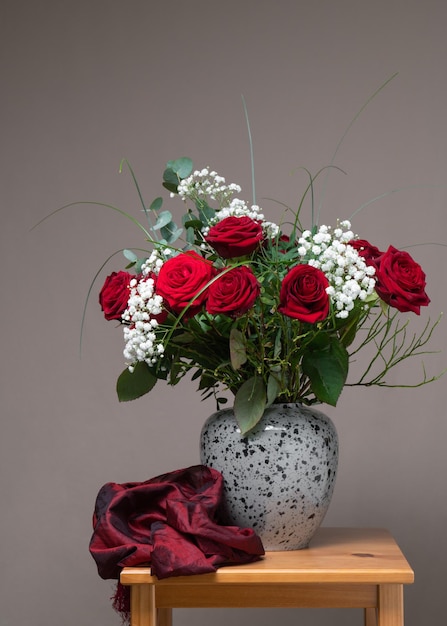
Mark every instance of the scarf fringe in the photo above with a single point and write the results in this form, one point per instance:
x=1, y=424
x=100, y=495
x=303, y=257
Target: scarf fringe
x=121, y=602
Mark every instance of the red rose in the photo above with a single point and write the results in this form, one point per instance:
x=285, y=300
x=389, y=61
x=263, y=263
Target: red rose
x=303, y=294
x=235, y=236
x=367, y=251
x=233, y=293
x=114, y=295
x=182, y=278
x=400, y=281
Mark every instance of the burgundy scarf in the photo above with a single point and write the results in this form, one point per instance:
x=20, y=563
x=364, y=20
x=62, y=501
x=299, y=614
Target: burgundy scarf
x=172, y=523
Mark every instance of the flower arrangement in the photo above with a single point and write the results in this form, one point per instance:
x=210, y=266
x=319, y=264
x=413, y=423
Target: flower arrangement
x=271, y=312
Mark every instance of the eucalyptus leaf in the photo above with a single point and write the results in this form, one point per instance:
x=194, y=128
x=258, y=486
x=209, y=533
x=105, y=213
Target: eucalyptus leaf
x=182, y=167
x=130, y=256
x=190, y=236
x=170, y=180
x=133, y=385
x=192, y=223
x=172, y=187
x=249, y=404
x=206, y=213
x=156, y=204
x=138, y=265
x=169, y=176
x=164, y=218
x=171, y=232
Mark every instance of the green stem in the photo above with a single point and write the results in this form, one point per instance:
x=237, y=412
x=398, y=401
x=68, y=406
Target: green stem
x=253, y=186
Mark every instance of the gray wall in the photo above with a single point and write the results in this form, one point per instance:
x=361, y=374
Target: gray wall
x=84, y=84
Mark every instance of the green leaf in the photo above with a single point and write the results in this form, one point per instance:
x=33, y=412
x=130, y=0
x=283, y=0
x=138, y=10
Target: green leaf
x=172, y=187
x=175, y=373
x=183, y=338
x=190, y=236
x=156, y=204
x=138, y=265
x=182, y=167
x=320, y=341
x=278, y=345
x=272, y=389
x=238, y=353
x=327, y=370
x=130, y=256
x=268, y=300
x=193, y=223
x=169, y=176
x=206, y=213
x=349, y=331
x=207, y=381
x=164, y=218
x=197, y=374
x=131, y=386
x=249, y=404
x=171, y=232
x=170, y=180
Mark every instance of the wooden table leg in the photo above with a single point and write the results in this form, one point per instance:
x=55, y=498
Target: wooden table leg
x=391, y=605
x=142, y=606
x=164, y=617
x=371, y=617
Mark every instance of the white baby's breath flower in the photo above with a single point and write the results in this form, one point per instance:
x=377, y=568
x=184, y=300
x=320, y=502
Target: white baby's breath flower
x=343, y=314
x=141, y=344
x=349, y=277
x=206, y=184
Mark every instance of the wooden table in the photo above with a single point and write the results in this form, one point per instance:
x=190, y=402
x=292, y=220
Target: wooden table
x=342, y=568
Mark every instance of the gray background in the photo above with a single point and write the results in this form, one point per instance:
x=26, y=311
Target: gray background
x=86, y=83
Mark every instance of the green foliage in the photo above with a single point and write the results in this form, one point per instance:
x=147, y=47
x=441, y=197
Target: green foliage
x=182, y=167
x=263, y=356
x=249, y=404
x=327, y=369
x=176, y=171
x=131, y=386
x=238, y=353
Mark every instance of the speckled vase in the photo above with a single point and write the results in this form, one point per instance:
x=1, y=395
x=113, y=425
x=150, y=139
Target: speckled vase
x=279, y=478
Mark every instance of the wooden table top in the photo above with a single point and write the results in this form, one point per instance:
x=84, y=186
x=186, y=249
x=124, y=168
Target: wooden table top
x=335, y=555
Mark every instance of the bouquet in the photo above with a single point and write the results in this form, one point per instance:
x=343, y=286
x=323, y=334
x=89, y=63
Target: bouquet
x=271, y=312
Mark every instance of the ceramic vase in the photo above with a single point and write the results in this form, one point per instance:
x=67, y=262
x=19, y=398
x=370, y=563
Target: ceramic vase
x=279, y=478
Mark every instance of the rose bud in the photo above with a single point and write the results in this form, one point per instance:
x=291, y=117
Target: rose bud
x=114, y=295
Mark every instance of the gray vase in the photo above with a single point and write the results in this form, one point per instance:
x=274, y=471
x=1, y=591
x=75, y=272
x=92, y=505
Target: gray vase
x=279, y=478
